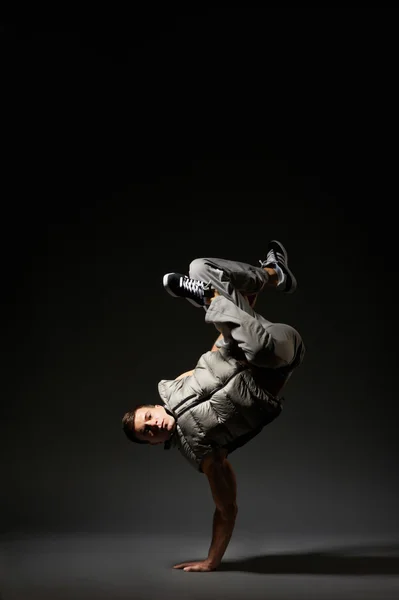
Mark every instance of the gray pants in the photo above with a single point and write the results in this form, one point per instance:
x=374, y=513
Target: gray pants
x=264, y=344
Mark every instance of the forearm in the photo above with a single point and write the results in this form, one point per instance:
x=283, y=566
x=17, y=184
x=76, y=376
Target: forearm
x=224, y=490
x=221, y=534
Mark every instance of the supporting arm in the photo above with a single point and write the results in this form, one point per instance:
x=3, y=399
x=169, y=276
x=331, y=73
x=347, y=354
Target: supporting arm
x=223, y=486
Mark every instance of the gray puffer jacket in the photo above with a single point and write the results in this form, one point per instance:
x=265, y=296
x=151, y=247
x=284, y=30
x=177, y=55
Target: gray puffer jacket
x=221, y=405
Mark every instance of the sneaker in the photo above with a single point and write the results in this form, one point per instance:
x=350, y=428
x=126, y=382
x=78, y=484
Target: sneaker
x=277, y=258
x=194, y=290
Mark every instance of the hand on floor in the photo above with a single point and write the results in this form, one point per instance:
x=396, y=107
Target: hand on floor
x=203, y=565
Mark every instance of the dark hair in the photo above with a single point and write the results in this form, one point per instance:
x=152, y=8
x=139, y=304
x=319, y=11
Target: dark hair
x=128, y=424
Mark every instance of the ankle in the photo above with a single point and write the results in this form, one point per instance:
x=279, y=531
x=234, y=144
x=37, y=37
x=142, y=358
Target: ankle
x=273, y=277
x=208, y=299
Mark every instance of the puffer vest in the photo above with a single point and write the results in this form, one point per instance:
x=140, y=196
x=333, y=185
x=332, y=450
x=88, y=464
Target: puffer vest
x=221, y=401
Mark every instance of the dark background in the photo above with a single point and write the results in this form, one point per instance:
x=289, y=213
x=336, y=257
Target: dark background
x=135, y=143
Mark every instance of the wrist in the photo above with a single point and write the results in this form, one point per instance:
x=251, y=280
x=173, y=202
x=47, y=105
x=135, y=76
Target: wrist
x=212, y=563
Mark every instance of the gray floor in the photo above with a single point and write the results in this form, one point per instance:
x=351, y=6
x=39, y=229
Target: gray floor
x=75, y=567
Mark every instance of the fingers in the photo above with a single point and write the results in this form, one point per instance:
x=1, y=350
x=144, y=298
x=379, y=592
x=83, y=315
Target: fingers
x=181, y=566
x=194, y=566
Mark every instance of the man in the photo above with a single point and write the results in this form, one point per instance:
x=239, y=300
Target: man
x=235, y=388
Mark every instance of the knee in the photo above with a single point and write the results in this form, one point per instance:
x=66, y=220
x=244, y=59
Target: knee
x=261, y=355
x=199, y=269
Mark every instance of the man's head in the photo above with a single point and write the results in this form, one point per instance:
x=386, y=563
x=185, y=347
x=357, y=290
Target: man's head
x=148, y=424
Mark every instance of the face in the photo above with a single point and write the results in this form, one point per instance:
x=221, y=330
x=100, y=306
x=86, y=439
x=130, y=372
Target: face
x=153, y=424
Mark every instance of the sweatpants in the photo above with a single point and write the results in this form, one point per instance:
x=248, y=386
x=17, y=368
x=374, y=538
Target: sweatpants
x=263, y=343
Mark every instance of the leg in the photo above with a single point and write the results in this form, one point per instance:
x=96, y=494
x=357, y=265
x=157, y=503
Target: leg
x=263, y=343
x=232, y=279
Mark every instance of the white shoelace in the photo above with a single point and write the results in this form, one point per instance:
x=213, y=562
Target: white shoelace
x=192, y=285
x=273, y=257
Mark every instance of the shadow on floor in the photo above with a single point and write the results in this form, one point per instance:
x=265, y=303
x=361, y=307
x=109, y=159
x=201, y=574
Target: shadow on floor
x=359, y=560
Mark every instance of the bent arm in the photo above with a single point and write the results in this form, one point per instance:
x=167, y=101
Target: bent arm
x=223, y=484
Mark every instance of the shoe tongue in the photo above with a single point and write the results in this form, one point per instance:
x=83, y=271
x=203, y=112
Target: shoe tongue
x=271, y=256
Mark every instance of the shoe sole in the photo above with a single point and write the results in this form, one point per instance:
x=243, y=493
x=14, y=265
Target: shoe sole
x=294, y=284
x=167, y=288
